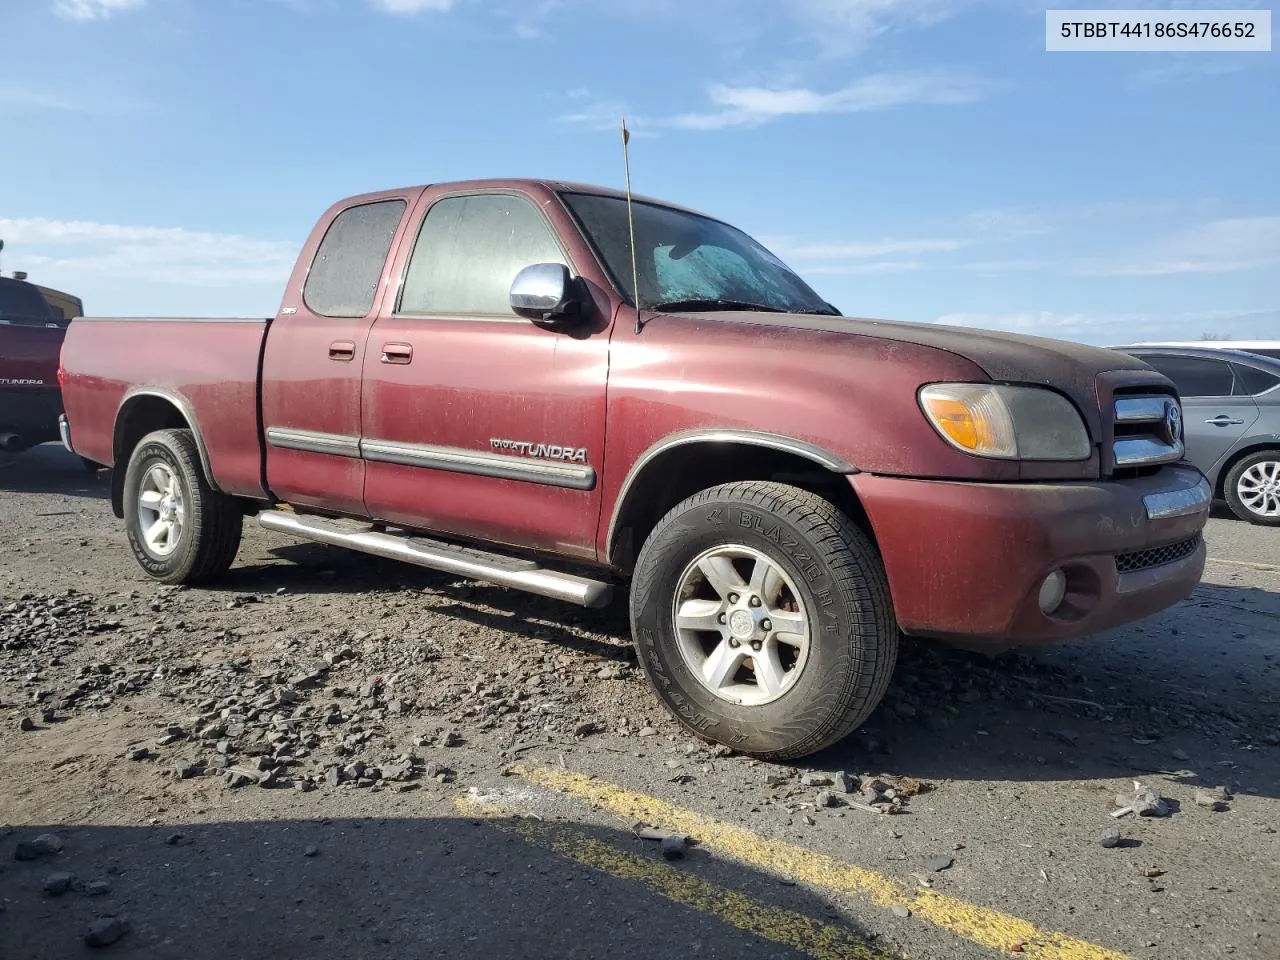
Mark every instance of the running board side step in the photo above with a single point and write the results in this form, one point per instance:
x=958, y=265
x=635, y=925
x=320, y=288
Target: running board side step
x=447, y=558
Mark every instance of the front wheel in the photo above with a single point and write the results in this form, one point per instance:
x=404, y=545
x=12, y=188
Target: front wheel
x=181, y=529
x=1252, y=488
x=762, y=618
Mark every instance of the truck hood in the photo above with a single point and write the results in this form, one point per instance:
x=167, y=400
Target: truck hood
x=1072, y=368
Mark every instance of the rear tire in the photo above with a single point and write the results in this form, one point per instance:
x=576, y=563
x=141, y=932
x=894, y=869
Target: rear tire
x=181, y=529
x=1252, y=488
x=797, y=566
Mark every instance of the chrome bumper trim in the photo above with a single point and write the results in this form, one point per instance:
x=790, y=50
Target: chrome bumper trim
x=64, y=431
x=1185, y=502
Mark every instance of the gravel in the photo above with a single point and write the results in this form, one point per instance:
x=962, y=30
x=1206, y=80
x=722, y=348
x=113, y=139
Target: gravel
x=673, y=847
x=43, y=846
x=106, y=930
x=56, y=884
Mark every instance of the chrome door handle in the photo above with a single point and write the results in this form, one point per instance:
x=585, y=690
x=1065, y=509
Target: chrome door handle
x=1222, y=420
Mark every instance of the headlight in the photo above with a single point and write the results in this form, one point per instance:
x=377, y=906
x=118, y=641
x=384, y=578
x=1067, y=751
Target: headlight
x=1010, y=423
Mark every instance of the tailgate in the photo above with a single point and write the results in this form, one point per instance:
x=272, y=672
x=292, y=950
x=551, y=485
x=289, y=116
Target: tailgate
x=29, y=355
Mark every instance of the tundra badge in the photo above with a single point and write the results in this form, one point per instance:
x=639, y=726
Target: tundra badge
x=543, y=451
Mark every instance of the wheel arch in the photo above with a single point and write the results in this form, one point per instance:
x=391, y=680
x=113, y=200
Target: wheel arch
x=142, y=411
x=680, y=465
x=1255, y=445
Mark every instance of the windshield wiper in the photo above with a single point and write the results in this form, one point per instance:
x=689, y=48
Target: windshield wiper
x=713, y=304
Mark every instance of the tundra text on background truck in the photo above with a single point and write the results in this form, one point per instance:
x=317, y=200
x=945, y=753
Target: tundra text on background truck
x=455, y=379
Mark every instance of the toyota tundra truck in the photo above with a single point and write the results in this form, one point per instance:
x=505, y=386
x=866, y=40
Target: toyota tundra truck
x=31, y=333
x=480, y=378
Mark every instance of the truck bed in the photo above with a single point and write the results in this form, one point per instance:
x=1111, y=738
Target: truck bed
x=207, y=366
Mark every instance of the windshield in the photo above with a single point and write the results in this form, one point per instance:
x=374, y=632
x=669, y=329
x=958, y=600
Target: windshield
x=690, y=262
x=22, y=302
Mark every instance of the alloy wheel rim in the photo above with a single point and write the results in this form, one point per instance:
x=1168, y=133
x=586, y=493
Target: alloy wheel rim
x=161, y=510
x=1259, y=489
x=741, y=625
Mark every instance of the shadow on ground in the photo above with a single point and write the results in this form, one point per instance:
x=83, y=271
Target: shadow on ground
x=386, y=888
x=48, y=468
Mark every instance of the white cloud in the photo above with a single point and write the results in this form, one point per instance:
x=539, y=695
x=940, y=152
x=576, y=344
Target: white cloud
x=844, y=25
x=94, y=9
x=76, y=252
x=24, y=97
x=860, y=269
x=1116, y=328
x=1033, y=321
x=1011, y=223
x=412, y=7
x=531, y=17
x=1227, y=245
x=756, y=106
x=861, y=250
x=753, y=106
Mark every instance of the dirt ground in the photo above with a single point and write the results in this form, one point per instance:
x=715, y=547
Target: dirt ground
x=329, y=755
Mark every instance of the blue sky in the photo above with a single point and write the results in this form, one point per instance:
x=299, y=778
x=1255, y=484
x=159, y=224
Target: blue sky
x=922, y=160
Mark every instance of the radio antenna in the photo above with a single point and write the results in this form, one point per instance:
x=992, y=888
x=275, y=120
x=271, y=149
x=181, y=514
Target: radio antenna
x=631, y=220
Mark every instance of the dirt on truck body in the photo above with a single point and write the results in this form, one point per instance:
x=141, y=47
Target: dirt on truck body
x=464, y=376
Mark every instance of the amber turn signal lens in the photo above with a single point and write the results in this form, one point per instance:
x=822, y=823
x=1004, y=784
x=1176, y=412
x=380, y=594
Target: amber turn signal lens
x=972, y=417
x=955, y=420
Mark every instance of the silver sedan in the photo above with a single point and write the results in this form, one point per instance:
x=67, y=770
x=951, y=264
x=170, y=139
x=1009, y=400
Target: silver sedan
x=1231, y=417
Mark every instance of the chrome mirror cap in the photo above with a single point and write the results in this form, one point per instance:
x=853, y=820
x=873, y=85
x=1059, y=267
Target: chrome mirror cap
x=543, y=291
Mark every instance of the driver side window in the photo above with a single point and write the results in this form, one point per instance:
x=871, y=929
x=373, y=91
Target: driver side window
x=469, y=250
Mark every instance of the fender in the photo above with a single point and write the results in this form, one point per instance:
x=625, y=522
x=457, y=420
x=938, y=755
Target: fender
x=815, y=454
x=183, y=406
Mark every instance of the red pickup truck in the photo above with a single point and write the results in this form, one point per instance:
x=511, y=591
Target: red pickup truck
x=31, y=333
x=465, y=376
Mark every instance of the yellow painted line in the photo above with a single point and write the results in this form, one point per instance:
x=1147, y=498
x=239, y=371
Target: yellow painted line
x=980, y=925
x=1271, y=568
x=822, y=941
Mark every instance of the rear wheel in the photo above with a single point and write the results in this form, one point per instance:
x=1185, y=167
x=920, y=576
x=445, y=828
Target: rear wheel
x=1252, y=488
x=762, y=618
x=181, y=529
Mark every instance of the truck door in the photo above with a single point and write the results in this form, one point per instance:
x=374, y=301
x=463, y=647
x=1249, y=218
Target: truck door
x=315, y=357
x=478, y=423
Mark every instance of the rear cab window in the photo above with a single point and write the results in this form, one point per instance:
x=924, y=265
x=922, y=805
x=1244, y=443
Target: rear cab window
x=22, y=304
x=343, y=279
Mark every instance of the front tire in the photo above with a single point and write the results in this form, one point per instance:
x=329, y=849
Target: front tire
x=762, y=618
x=181, y=529
x=1252, y=488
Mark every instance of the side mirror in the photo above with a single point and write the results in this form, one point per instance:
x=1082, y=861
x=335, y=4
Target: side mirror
x=545, y=293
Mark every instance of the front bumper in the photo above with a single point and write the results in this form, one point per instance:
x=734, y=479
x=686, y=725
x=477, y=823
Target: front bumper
x=965, y=561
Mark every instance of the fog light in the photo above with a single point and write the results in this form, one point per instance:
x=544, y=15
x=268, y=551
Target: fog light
x=1053, y=591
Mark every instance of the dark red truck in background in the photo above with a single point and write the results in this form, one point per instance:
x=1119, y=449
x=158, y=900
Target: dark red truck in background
x=458, y=377
x=31, y=333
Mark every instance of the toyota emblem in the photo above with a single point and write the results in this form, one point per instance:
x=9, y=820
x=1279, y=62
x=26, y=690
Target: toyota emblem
x=1173, y=422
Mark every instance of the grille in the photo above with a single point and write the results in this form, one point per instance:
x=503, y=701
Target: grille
x=1156, y=557
x=1148, y=431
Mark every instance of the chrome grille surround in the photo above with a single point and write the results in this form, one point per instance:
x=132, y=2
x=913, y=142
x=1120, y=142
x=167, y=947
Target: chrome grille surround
x=1147, y=430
